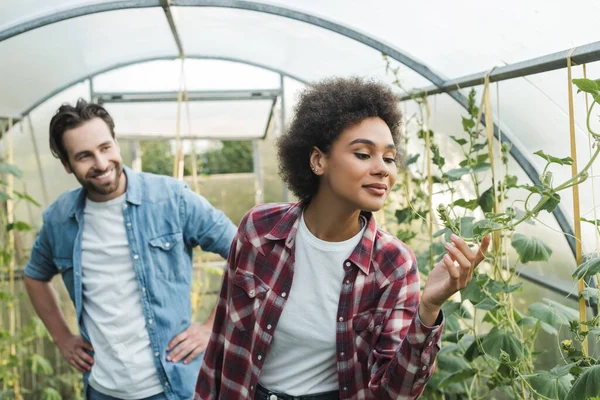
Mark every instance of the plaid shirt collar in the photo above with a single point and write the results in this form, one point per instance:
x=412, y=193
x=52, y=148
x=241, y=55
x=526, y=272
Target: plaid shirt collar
x=287, y=227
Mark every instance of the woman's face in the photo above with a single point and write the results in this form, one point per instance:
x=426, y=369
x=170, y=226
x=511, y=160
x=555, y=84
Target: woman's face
x=360, y=168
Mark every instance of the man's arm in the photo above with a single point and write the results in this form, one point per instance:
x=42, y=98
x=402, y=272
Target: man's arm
x=209, y=228
x=204, y=225
x=72, y=347
x=193, y=341
x=38, y=273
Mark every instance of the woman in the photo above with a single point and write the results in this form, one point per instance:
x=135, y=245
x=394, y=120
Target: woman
x=317, y=303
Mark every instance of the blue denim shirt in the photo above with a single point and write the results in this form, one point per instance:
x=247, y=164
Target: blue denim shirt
x=164, y=221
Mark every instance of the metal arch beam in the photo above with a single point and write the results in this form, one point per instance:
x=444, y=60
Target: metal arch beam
x=74, y=13
x=237, y=4
x=393, y=52
x=144, y=60
x=167, y=9
x=287, y=13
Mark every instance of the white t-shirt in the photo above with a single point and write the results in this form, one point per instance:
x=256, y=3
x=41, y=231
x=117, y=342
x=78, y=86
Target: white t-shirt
x=302, y=357
x=112, y=310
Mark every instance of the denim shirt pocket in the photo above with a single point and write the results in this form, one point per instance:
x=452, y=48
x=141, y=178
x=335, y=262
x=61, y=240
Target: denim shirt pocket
x=65, y=267
x=165, y=251
x=248, y=293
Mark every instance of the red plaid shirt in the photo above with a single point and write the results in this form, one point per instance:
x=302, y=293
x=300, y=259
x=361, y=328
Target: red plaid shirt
x=383, y=349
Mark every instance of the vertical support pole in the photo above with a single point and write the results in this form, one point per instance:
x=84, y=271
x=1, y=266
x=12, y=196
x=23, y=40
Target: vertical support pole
x=92, y=93
x=258, y=180
x=285, y=192
x=8, y=137
x=576, y=212
x=194, y=166
x=136, y=156
x=38, y=161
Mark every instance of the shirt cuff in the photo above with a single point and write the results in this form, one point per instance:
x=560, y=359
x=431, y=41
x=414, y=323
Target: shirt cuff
x=37, y=273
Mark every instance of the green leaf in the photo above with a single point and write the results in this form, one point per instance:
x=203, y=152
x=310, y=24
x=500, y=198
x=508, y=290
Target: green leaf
x=530, y=248
x=457, y=173
x=587, y=385
x=473, y=291
x=467, y=124
x=586, y=85
x=437, y=159
x=494, y=344
x=454, y=336
x=486, y=201
x=39, y=365
x=459, y=376
x=404, y=215
x=481, y=167
x=527, y=321
x=510, y=181
x=50, y=394
x=480, y=146
x=533, y=189
x=591, y=221
x=588, y=268
x=567, y=312
x=10, y=169
x=487, y=304
x=550, y=386
x=25, y=196
x=466, y=227
x=451, y=362
x=441, y=232
x=19, y=226
x=562, y=370
x=411, y=159
x=468, y=204
x=485, y=226
x=548, y=316
x=460, y=141
x=552, y=159
x=550, y=201
x=590, y=293
x=4, y=196
x=406, y=236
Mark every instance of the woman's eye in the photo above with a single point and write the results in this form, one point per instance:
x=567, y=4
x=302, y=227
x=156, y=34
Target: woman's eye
x=389, y=160
x=362, y=156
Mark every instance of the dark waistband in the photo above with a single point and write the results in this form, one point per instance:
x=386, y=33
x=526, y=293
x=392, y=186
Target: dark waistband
x=263, y=393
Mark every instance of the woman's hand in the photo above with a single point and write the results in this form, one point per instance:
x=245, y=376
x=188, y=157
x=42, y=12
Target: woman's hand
x=447, y=277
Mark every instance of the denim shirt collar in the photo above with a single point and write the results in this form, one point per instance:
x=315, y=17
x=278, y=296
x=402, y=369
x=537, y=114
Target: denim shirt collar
x=133, y=193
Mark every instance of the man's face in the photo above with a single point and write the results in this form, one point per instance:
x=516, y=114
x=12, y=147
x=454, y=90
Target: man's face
x=94, y=158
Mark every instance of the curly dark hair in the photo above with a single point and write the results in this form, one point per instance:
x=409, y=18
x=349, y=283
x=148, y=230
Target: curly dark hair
x=69, y=117
x=324, y=110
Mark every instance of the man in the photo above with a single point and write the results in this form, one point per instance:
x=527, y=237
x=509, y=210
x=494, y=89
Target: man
x=123, y=244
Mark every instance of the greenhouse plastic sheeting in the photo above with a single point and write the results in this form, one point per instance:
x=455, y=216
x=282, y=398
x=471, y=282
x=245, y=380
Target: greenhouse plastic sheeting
x=313, y=39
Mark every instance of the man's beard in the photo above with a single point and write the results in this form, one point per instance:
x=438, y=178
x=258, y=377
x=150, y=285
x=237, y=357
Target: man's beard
x=107, y=188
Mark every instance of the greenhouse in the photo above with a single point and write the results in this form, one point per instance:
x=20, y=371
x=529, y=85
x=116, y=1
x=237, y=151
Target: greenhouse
x=500, y=136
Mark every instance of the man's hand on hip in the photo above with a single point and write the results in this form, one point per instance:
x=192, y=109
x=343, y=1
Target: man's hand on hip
x=190, y=343
x=73, y=349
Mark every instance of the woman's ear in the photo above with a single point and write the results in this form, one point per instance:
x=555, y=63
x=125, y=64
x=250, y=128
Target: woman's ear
x=317, y=161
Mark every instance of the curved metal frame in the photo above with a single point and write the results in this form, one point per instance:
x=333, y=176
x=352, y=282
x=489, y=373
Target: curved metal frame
x=287, y=13
x=150, y=59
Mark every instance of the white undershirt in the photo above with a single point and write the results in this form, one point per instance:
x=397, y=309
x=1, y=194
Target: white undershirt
x=302, y=356
x=112, y=310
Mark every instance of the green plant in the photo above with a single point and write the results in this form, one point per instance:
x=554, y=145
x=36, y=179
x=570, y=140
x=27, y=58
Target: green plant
x=24, y=373
x=489, y=346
